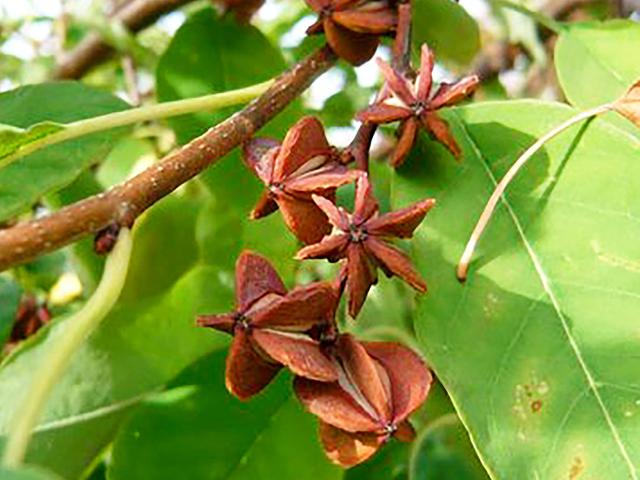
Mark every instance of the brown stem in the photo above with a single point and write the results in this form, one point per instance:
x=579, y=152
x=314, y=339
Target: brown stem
x=92, y=50
x=358, y=150
x=401, y=54
x=125, y=202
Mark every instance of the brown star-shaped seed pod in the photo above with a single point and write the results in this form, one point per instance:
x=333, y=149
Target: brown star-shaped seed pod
x=362, y=239
x=352, y=27
x=413, y=105
x=269, y=328
x=30, y=317
x=305, y=164
x=629, y=104
x=379, y=385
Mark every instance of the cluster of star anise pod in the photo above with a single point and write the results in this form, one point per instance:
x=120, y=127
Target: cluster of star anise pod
x=361, y=392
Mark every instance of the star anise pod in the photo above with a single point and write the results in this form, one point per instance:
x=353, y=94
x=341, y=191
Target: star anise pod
x=362, y=239
x=269, y=325
x=352, y=27
x=379, y=385
x=305, y=164
x=629, y=104
x=30, y=317
x=413, y=105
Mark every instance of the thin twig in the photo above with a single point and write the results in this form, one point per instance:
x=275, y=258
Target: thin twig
x=130, y=79
x=92, y=50
x=401, y=53
x=463, y=265
x=125, y=202
x=359, y=148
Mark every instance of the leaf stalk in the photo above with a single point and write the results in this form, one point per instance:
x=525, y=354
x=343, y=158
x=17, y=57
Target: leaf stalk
x=76, y=329
x=87, y=126
x=463, y=265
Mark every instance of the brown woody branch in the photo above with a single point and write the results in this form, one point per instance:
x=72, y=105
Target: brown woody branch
x=125, y=202
x=92, y=50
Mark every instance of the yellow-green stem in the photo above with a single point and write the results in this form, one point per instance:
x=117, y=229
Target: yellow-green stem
x=483, y=221
x=75, y=330
x=135, y=115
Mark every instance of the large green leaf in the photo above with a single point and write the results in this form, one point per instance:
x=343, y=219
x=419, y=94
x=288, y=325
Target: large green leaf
x=24, y=181
x=538, y=349
x=443, y=452
x=14, y=138
x=26, y=473
x=597, y=61
x=202, y=432
x=442, y=24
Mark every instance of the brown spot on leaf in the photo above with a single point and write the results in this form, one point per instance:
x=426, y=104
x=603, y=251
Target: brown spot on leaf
x=577, y=468
x=536, y=406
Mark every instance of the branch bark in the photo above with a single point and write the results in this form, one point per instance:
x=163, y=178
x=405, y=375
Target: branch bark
x=125, y=202
x=92, y=50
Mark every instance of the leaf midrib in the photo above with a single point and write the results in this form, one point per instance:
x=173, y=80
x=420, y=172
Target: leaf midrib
x=546, y=286
x=95, y=413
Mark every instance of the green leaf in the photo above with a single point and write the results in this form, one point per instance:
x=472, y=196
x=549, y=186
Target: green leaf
x=26, y=473
x=185, y=72
x=138, y=348
x=13, y=138
x=120, y=163
x=443, y=452
x=202, y=432
x=340, y=109
x=43, y=272
x=597, y=62
x=447, y=28
x=215, y=65
x=27, y=179
x=9, y=299
x=136, y=351
x=390, y=463
x=538, y=349
x=166, y=248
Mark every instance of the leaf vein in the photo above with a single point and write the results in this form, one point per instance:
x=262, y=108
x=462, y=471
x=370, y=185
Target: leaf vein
x=547, y=287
